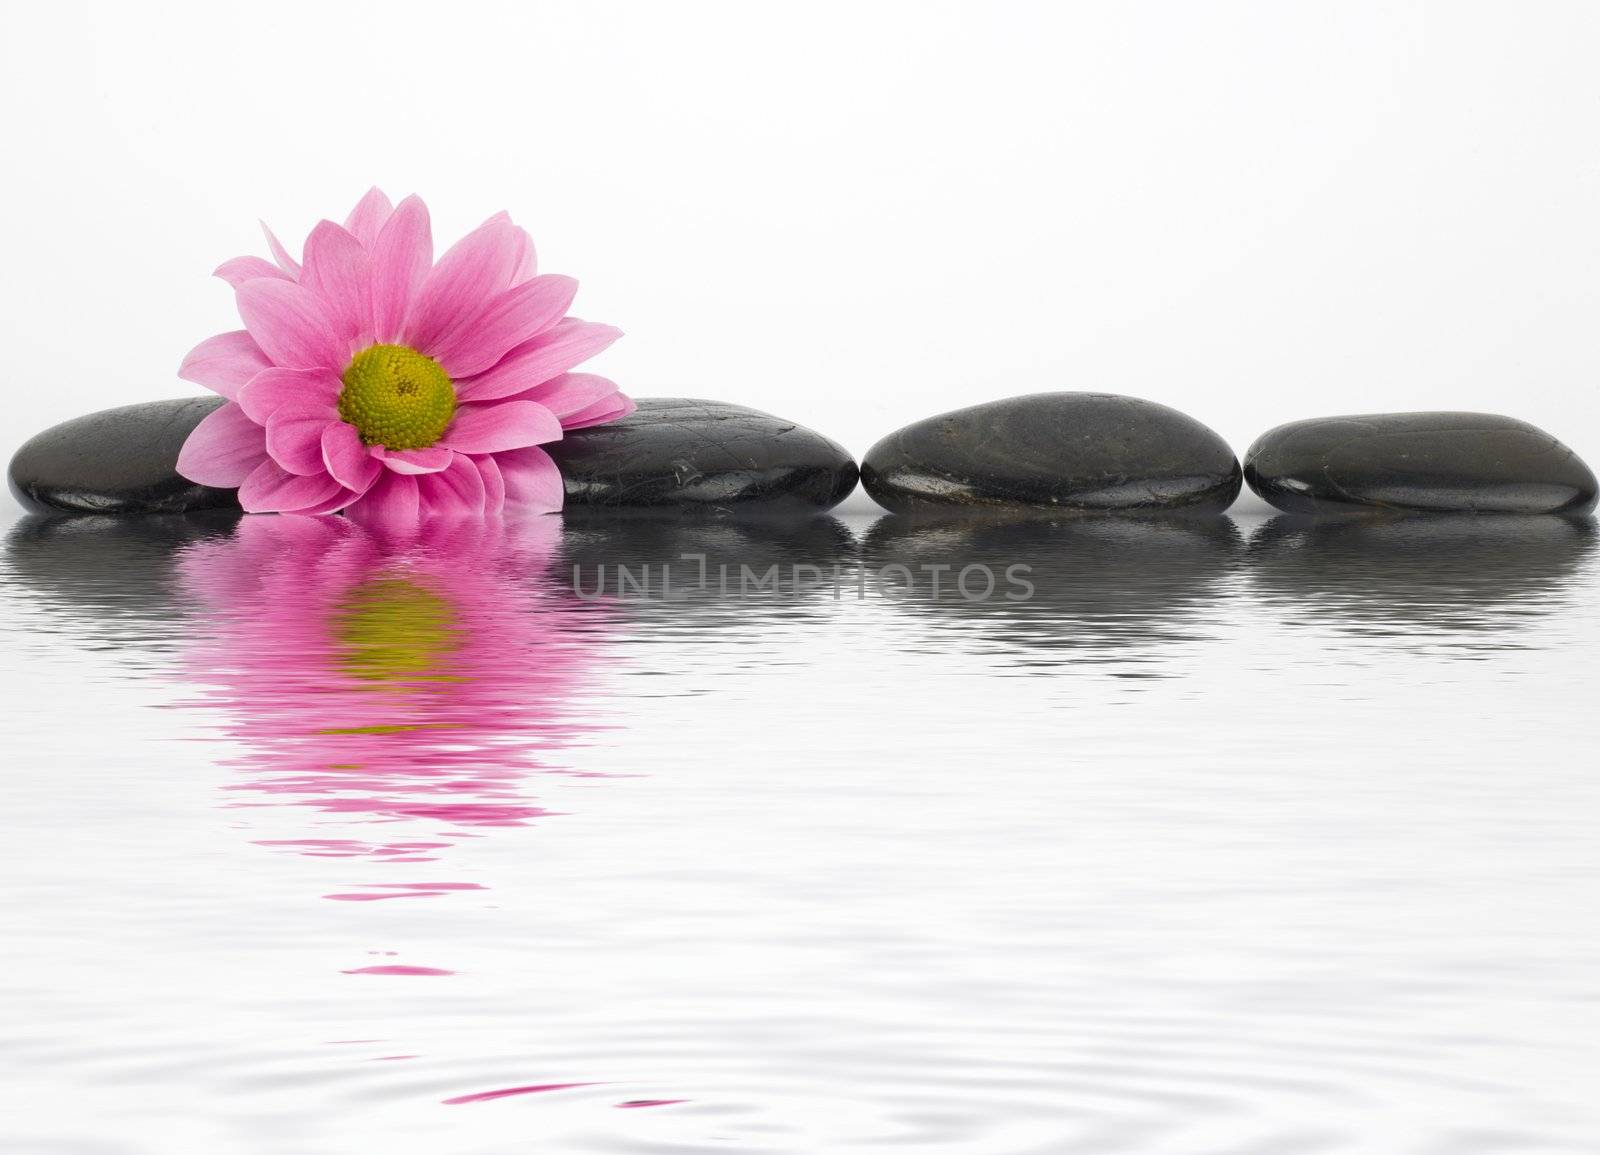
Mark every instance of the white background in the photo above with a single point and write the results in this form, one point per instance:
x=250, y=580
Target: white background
x=853, y=215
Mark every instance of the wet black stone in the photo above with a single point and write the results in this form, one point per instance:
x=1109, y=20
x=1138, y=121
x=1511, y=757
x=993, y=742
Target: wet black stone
x=686, y=456
x=1434, y=462
x=1055, y=452
x=121, y=461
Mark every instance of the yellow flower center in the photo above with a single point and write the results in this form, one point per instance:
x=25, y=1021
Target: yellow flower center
x=396, y=397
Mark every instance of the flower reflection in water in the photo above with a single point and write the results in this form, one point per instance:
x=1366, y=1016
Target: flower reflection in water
x=412, y=683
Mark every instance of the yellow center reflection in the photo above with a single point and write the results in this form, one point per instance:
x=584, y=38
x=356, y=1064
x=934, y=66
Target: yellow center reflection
x=398, y=633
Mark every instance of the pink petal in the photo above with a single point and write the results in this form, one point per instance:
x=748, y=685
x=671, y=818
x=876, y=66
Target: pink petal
x=494, y=485
x=573, y=393
x=611, y=409
x=392, y=502
x=224, y=363
x=339, y=271
x=527, y=260
x=270, y=489
x=223, y=449
x=291, y=325
x=368, y=217
x=569, y=342
x=457, y=490
x=294, y=438
x=533, y=483
x=241, y=269
x=477, y=268
x=270, y=388
x=335, y=503
x=510, y=319
x=401, y=258
x=413, y=461
x=280, y=254
x=347, y=459
x=499, y=426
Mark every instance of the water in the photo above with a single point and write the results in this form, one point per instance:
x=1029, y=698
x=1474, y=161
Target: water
x=1235, y=839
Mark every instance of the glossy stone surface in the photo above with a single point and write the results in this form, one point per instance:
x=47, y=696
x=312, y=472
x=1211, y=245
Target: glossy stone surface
x=1055, y=452
x=121, y=461
x=681, y=455
x=1434, y=462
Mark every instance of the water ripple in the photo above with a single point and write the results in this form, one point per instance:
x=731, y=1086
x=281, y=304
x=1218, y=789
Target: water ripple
x=1234, y=838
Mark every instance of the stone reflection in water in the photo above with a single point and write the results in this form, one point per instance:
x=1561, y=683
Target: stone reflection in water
x=1103, y=590
x=1438, y=575
x=685, y=574
x=413, y=684
x=110, y=577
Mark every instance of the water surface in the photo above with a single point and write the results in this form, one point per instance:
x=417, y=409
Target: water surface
x=1232, y=838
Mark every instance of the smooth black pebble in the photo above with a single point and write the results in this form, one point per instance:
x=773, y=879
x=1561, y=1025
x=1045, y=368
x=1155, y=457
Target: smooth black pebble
x=680, y=455
x=1055, y=452
x=1418, y=462
x=119, y=461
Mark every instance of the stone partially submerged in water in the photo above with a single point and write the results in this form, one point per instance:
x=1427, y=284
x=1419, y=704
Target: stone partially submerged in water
x=117, y=461
x=1055, y=453
x=1418, y=462
x=681, y=455
x=673, y=455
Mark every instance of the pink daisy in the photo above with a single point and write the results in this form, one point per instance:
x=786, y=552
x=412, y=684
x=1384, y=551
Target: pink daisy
x=371, y=379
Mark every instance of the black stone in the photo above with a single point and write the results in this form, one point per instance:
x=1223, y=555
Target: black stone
x=121, y=461
x=1055, y=452
x=1423, y=462
x=680, y=455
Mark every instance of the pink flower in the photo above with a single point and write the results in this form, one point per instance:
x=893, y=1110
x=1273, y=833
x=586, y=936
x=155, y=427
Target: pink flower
x=372, y=379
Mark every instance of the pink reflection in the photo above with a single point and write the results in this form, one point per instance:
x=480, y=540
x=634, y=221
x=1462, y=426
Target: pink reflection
x=398, y=970
x=362, y=896
x=507, y=1092
x=374, y=681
